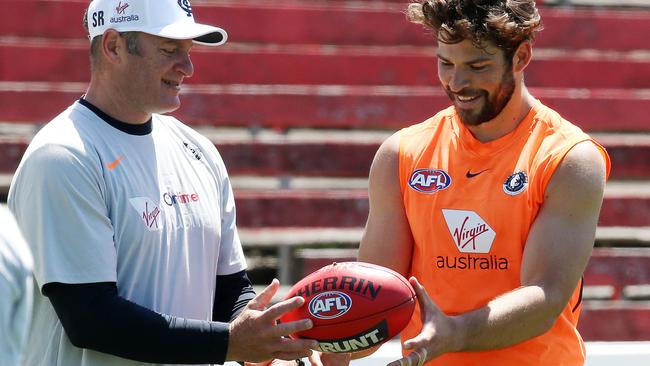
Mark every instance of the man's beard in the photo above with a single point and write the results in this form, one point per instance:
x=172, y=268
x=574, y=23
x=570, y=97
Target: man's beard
x=491, y=106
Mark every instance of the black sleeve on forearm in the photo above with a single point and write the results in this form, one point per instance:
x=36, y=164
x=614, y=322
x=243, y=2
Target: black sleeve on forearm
x=232, y=294
x=94, y=316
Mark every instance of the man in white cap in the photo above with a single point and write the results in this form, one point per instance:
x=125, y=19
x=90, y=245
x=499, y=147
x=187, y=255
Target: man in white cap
x=15, y=290
x=131, y=218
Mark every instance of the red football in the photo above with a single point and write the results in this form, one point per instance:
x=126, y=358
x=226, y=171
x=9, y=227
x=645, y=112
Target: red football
x=354, y=305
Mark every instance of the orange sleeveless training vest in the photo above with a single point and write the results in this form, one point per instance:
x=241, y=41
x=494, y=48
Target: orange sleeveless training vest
x=470, y=206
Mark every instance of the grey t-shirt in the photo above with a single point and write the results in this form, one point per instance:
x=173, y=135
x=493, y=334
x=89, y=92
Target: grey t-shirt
x=152, y=211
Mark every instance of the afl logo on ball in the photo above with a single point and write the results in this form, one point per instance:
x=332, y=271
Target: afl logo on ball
x=516, y=183
x=330, y=305
x=429, y=180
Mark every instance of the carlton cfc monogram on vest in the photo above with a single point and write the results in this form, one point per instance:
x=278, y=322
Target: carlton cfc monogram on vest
x=516, y=183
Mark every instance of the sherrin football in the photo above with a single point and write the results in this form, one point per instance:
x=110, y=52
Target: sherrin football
x=353, y=305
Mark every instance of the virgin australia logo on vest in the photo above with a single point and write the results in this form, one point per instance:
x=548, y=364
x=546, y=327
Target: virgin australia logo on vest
x=474, y=237
x=429, y=180
x=470, y=232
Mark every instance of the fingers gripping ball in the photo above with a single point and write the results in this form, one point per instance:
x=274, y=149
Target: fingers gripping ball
x=353, y=305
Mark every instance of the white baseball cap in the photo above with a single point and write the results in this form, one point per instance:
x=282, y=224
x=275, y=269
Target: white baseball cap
x=165, y=18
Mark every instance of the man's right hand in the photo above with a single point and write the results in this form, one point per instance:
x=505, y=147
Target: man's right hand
x=256, y=336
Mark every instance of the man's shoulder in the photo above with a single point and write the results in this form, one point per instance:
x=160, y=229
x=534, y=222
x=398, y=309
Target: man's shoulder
x=183, y=131
x=174, y=125
x=192, y=141
x=66, y=128
x=552, y=119
x=439, y=119
x=62, y=143
x=560, y=142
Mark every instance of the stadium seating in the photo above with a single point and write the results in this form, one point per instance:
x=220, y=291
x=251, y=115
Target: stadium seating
x=304, y=92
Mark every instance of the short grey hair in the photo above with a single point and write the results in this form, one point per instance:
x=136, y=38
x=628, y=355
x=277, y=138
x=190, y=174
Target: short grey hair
x=132, y=45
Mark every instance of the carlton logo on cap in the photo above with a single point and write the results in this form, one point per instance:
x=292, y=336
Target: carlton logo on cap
x=171, y=19
x=185, y=5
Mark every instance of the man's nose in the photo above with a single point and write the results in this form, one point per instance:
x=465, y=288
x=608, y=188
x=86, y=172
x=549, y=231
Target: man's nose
x=458, y=81
x=185, y=66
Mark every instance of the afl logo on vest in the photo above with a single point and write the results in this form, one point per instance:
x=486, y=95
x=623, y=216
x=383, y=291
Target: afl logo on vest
x=429, y=180
x=330, y=305
x=516, y=183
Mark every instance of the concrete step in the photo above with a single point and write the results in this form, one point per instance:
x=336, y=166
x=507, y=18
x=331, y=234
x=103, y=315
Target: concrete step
x=624, y=236
x=311, y=23
x=628, y=318
x=620, y=320
x=624, y=217
x=600, y=4
x=11, y=150
x=332, y=106
x=316, y=153
x=625, y=204
x=623, y=273
x=331, y=202
x=612, y=273
x=298, y=237
x=236, y=63
x=345, y=157
x=610, y=320
x=323, y=153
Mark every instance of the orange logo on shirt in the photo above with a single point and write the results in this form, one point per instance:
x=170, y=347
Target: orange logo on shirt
x=113, y=164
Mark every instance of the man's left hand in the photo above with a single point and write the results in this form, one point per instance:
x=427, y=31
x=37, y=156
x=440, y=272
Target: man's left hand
x=436, y=336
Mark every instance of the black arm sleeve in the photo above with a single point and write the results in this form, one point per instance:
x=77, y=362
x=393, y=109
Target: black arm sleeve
x=94, y=316
x=232, y=294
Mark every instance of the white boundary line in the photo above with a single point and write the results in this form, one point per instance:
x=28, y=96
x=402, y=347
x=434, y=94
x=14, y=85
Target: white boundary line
x=598, y=354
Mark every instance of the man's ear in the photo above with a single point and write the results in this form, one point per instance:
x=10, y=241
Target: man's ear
x=522, y=56
x=112, y=46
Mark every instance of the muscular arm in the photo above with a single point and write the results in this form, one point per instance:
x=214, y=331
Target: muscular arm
x=387, y=238
x=557, y=251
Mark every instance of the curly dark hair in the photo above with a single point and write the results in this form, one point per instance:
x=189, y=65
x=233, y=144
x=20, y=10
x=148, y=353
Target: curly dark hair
x=505, y=23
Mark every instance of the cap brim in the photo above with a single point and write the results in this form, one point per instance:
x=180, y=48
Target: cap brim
x=200, y=33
